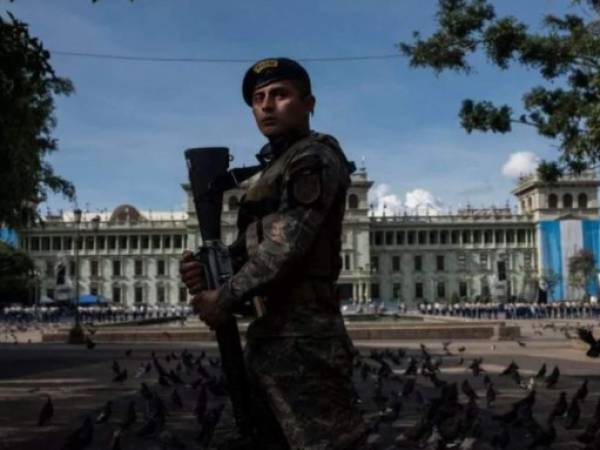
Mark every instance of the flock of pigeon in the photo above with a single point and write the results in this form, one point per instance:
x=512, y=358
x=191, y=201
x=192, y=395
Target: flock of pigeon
x=431, y=398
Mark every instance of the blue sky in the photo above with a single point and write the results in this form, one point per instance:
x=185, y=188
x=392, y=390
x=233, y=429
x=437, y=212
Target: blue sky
x=123, y=133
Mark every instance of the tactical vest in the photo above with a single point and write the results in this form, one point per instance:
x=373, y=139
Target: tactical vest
x=323, y=261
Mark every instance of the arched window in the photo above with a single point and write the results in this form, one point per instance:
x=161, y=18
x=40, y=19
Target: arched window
x=582, y=201
x=530, y=203
x=552, y=201
x=567, y=201
x=233, y=203
x=353, y=201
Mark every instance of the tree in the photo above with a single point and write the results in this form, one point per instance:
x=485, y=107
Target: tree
x=566, y=54
x=548, y=279
x=27, y=85
x=582, y=268
x=16, y=274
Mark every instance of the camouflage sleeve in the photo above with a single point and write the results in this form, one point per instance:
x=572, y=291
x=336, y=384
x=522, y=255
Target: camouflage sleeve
x=311, y=182
x=237, y=252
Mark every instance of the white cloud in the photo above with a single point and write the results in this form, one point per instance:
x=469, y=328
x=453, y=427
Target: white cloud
x=520, y=164
x=418, y=201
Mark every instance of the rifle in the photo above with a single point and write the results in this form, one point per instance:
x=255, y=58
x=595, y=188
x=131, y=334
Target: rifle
x=209, y=178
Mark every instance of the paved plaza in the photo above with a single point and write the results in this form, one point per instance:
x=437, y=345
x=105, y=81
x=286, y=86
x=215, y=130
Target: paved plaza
x=80, y=382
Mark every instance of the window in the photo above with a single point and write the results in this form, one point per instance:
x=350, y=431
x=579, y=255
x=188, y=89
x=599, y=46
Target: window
x=466, y=236
x=477, y=237
x=50, y=293
x=375, y=291
x=433, y=237
x=439, y=262
x=567, y=201
x=116, y=294
x=94, y=289
x=123, y=242
x=422, y=237
x=418, y=290
x=160, y=294
x=56, y=243
x=89, y=243
x=133, y=242
x=521, y=236
x=49, y=268
x=182, y=295
x=487, y=237
x=346, y=262
x=553, y=201
x=582, y=201
x=397, y=291
x=101, y=242
x=94, y=268
x=374, y=264
x=510, y=236
x=443, y=237
x=499, y=236
x=400, y=237
x=233, y=203
x=455, y=236
x=418, y=259
x=145, y=242
x=441, y=289
x=410, y=237
x=166, y=241
x=80, y=243
x=138, y=294
x=396, y=263
x=45, y=243
x=160, y=267
x=378, y=238
x=389, y=238
x=116, y=265
x=155, y=242
x=353, y=201
x=112, y=242
x=35, y=243
x=177, y=241
x=138, y=267
x=462, y=289
x=501, y=270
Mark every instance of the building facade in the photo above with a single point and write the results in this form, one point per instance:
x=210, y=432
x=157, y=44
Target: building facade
x=132, y=257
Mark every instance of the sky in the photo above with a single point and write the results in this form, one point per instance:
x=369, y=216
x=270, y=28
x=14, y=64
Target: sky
x=123, y=132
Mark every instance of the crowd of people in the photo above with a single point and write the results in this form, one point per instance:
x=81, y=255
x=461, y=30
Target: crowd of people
x=514, y=310
x=96, y=314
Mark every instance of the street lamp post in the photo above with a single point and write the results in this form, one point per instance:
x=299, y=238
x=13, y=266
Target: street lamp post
x=76, y=335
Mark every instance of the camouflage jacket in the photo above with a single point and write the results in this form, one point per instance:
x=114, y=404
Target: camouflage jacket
x=289, y=240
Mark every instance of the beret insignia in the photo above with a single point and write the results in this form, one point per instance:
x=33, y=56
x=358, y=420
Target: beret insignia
x=264, y=64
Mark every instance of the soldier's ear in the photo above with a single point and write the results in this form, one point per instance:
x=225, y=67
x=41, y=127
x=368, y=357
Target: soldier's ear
x=312, y=101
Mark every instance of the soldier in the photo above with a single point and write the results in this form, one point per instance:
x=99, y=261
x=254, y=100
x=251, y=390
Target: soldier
x=298, y=354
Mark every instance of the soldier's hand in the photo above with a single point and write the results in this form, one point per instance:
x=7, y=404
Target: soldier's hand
x=192, y=273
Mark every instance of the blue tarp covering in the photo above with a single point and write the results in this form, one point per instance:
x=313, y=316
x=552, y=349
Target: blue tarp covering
x=89, y=299
x=8, y=236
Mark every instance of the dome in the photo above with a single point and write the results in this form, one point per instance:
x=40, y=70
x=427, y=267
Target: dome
x=126, y=213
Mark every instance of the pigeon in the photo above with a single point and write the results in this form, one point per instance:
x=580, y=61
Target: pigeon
x=116, y=440
x=46, y=412
x=512, y=367
x=120, y=377
x=542, y=372
x=582, y=392
x=475, y=366
x=408, y=387
x=587, y=337
x=461, y=349
x=115, y=367
x=176, y=399
x=560, y=407
x=130, y=416
x=468, y=390
x=573, y=414
x=521, y=343
x=128, y=352
x=543, y=438
x=89, y=343
x=105, y=413
x=145, y=391
x=552, y=379
x=81, y=437
x=490, y=395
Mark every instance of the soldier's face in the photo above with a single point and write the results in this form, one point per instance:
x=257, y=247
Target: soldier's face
x=280, y=107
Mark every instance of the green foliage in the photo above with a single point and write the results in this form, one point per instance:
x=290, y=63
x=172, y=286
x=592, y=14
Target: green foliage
x=582, y=267
x=567, y=51
x=27, y=85
x=16, y=274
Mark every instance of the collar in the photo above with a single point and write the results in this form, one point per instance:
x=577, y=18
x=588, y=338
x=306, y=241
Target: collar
x=277, y=146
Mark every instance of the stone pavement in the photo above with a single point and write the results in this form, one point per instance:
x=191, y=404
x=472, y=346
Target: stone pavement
x=80, y=382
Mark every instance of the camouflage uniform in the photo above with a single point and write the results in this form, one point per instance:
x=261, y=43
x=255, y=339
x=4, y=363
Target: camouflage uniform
x=298, y=354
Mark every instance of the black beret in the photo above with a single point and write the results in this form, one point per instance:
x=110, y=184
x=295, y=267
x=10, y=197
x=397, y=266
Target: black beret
x=268, y=70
